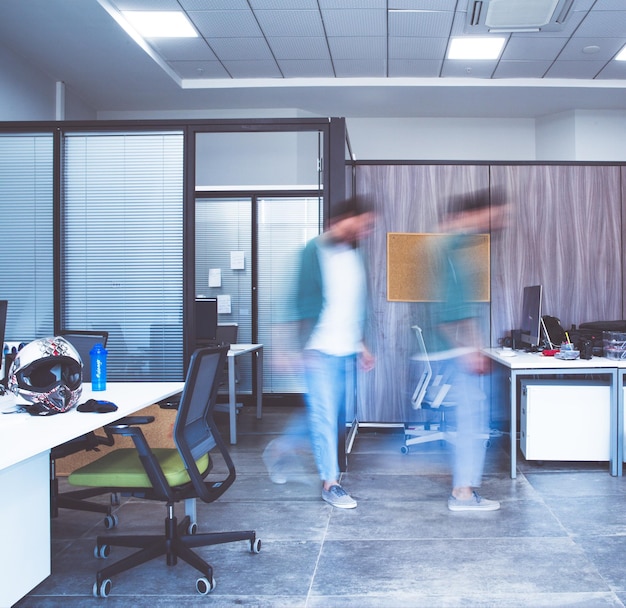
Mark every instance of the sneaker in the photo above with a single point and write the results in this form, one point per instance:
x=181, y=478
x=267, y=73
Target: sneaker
x=275, y=468
x=475, y=503
x=338, y=497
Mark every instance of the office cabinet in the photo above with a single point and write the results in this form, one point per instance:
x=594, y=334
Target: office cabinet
x=565, y=420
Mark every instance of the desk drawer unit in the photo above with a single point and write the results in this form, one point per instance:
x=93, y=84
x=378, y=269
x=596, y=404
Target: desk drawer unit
x=565, y=420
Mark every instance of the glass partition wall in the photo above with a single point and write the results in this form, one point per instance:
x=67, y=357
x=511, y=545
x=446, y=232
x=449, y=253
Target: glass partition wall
x=115, y=226
x=248, y=243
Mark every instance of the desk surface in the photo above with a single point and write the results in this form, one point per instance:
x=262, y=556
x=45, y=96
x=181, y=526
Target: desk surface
x=524, y=360
x=23, y=435
x=240, y=349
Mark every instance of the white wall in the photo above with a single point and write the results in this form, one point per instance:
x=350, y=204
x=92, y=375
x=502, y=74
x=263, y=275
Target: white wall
x=28, y=94
x=441, y=138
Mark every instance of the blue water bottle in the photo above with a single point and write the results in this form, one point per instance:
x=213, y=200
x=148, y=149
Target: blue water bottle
x=98, y=356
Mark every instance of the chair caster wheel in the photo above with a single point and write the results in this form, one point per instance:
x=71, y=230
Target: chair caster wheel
x=255, y=545
x=204, y=585
x=103, y=589
x=110, y=521
x=404, y=449
x=101, y=551
x=192, y=528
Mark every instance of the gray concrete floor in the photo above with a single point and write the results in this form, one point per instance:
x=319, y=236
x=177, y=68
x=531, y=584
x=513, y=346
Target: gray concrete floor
x=558, y=540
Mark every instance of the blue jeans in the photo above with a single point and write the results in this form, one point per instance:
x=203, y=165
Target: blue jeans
x=472, y=421
x=327, y=378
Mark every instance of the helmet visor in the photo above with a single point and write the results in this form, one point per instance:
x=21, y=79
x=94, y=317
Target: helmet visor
x=44, y=374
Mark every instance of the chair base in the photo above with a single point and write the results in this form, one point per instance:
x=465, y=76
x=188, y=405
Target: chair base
x=176, y=543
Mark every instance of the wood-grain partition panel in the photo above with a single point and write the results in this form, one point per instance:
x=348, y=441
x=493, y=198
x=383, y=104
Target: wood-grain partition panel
x=409, y=198
x=564, y=232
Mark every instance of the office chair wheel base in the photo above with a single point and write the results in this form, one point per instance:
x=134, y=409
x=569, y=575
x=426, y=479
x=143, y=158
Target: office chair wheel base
x=110, y=521
x=204, y=585
x=101, y=551
x=255, y=545
x=104, y=589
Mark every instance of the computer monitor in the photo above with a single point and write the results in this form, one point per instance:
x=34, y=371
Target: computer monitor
x=530, y=327
x=206, y=319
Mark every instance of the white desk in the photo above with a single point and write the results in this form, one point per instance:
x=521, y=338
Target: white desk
x=25, y=444
x=535, y=364
x=236, y=350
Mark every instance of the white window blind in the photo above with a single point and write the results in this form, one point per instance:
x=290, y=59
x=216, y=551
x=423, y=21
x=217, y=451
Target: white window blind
x=123, y=248
x=26, y=203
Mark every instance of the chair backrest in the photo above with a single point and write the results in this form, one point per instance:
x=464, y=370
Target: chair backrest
x=428, y=391
x=426, y=372
x=83, y=342
x=195, y=431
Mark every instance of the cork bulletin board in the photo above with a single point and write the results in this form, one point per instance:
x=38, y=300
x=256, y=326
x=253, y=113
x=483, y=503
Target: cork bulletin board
x=414, y=265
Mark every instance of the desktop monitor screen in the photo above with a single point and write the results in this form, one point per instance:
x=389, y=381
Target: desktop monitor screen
x=206, y=319
x=531, y=316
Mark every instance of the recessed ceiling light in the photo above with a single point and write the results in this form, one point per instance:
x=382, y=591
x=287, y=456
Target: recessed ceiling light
x=161, y=24
x=476, y=48
x=621, y=56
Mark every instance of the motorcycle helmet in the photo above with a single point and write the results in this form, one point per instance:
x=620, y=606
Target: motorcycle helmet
x=48, y=373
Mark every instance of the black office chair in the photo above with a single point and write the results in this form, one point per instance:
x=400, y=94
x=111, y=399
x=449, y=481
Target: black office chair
x=83, y=342
x=170, y=475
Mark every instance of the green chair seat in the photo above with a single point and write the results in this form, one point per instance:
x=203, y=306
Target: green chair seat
x=123, y=469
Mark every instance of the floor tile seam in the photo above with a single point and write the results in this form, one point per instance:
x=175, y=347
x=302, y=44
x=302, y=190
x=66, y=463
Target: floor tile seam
x=322, y=542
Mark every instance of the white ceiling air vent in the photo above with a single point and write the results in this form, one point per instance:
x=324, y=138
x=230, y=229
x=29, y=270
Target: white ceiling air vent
x=517, y=15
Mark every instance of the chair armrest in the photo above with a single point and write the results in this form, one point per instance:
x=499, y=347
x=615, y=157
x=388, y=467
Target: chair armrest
x=130, y=421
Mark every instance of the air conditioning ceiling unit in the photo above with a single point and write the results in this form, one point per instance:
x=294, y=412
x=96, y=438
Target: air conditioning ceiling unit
x=517, y=15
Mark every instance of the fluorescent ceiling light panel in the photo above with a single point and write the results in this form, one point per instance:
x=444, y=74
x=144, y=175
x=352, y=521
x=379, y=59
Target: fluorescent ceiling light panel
x=476, y=48
x=161, y=24
x=621, y=56
x=519, y=13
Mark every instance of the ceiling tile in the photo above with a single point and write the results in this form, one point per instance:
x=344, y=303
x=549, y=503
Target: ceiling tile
x=432, y=24
x=294, y=68
x=522, y=69
x=299, y=47
x=355, y=68
x=575, y=69
x=358, y=47
x=532, y=47
x=468, y=69
x=290, y=23
x=417, y=48
x=283, y=4
x=413, y=68
x=366, y=22
x=606, y=49
x=174, y=49
x=242, y=49
x=199, y=69
x=226, y=24
x=252, y=69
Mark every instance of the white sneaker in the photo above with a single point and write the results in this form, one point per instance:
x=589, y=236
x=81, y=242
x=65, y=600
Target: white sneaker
x=475, y=503
x=338, y=497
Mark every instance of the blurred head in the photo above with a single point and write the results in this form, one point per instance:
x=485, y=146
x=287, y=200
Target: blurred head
x=352, y=219
x=479, y=211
